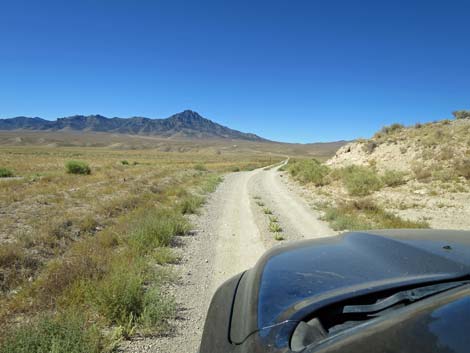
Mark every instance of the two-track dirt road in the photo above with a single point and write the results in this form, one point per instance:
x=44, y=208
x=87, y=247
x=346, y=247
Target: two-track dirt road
x=231, y=234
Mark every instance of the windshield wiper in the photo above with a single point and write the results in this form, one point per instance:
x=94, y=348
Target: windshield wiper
x=410, y=296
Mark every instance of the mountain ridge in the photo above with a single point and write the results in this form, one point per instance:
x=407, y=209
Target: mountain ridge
x=187, y=124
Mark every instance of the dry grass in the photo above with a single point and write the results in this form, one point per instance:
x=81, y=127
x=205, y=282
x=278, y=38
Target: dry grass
x=127, y=143
x=361, y=214
x=87, y=243
x=463, y=168
x=393, y=178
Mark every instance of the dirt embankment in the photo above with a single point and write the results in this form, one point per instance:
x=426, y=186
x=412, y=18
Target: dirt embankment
x=434, y=159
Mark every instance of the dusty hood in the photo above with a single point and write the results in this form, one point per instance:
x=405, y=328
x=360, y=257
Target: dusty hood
x=292, y=281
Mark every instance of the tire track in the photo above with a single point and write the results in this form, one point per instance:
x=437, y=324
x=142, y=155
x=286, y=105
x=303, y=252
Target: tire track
x=229, y=237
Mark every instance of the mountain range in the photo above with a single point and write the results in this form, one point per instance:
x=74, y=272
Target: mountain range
x=187, y=125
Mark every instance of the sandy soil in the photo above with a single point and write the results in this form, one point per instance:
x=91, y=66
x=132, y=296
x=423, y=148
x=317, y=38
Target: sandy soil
x=230, y=235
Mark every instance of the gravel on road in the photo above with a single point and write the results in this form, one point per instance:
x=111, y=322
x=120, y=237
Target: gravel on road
x=229, y=236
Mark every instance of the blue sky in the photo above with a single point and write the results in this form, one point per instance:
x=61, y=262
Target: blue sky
x=291, y=70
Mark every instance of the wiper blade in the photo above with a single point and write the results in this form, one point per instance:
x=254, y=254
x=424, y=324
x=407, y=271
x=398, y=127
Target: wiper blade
x=410, y=295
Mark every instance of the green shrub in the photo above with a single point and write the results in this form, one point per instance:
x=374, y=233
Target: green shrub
x=369, y=147
x=6, y=173
x=120, y=296
x=165, y=255
x=309, y=171
x=336, y=174
x=461, y=114
x=210, y=183
x=64, y=334
x=432, y=140
x=191, y=204
x=278, y=237
x=200, y=167
x=463, y=168
x=445, y=154
x=11, y=254
x=360, y=181
x=157, y=309
x=445, y=175
x=124, y=162
x=88, y=224
x=340, y=220
x=274, y=227
x=273, y=219
x=365, y=214
x=235, y=169
x=392, y=128
x=123, y=300
x=361, y=204
x=77, y=167
x=421, y=171
x=393, y=178
x=15, y=266
x=387, y=220
x=267, y=211
x=156, y=229
x=249, y=167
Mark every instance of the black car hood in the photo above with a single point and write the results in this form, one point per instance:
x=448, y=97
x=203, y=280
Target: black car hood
x=436, y=325
x=290, y=282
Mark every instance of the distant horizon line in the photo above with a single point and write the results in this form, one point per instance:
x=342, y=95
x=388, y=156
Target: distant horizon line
x=101, y=115
x=227, y=125
x=144, y=117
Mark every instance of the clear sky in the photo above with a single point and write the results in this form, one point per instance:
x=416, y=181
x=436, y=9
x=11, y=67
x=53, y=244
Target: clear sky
x=289, y=70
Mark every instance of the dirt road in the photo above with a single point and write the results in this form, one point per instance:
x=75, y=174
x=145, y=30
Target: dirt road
x=231, y=234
